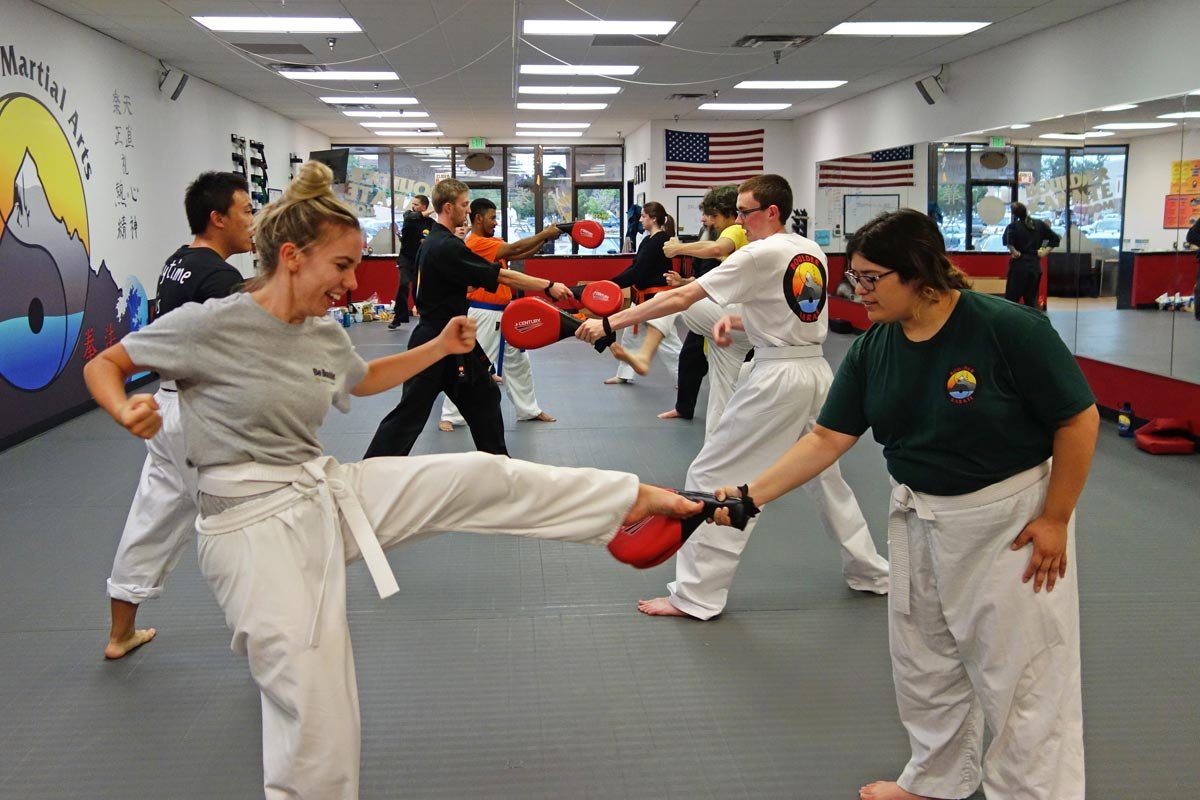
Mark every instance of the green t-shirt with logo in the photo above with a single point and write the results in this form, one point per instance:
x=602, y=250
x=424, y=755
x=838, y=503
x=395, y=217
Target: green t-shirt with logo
x=977, y=403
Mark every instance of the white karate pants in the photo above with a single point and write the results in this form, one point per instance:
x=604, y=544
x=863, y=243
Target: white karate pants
x=724, y=363
x=277, y=566
x=775, y=403
x=515, y=369
x=162, y=516
x=978, y=646
x=668, y=349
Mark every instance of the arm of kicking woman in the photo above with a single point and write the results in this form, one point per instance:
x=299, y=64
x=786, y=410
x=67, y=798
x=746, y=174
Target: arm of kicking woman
x=1074, y=445
x=805, y=460
x=660, y=305
x=105, y=376
x=385, y=373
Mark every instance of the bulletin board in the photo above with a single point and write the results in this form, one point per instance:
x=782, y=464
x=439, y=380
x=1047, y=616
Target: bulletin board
x=859, y=209
x=687, y=213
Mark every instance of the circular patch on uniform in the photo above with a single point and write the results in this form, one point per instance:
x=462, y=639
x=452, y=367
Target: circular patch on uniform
x=961, y=385
x=804, y=283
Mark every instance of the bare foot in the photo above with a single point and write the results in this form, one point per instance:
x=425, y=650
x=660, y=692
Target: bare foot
x=672, y=414
x=542, y=417
x=640, y=365
x=660, y=607
x=614, y=380
x=653, y=500
x=445, y=426
x=119, y=649
x=887, y=790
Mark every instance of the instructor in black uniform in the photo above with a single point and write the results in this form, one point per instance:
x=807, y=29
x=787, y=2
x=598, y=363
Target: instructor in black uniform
x=1027, y=240
x=448, y=269
x=412, y=233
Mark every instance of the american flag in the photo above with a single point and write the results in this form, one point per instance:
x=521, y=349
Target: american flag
x=702, y=160
x=892, y=167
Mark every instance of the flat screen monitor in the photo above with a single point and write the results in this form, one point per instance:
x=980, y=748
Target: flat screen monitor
x=337, y=160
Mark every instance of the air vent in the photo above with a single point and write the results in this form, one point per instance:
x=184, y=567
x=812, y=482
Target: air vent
x=688, y=96
x=275, y=49
x=281, y=66
x=621, y=40
x=776, y=41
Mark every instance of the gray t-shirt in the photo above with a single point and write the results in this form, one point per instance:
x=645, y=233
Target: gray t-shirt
x=251, y=387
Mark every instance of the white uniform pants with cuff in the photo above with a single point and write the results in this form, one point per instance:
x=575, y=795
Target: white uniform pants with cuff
x=775, y=403
x=724, y=363
x=514, y=368
x=668, y=349
x=978, y=646
x=162, y=516
x=277, y=566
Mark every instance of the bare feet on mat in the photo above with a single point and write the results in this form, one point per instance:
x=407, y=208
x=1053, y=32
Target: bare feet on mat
x=640, y=365
x=660, y=607
x=887, y=790
x=614, y=380
x=445, y=426
x=653, y=500
x=543, y=417
x=672, y=414
x=119, y=649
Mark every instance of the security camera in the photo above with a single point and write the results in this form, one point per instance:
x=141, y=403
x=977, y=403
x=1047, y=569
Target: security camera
x=332, y=42
x=716, y=92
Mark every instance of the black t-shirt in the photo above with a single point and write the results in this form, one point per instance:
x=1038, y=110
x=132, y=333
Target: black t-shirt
x=414, y=230
x=447, y=267
x=648, y=265
x=193, y=275
x=1027, y=238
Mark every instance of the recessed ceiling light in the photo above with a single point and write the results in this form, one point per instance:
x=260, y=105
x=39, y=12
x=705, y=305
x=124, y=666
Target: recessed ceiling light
x=380, y=114
x=542, y=126
x=279, y=24
x=409, y=133
x=1077, y=136
x=744, y=106
x=577, y=69
x=789, y=84
x=1134, y=126
x=1020, y=126
x=551, y=134
x=563, y=106
x=310, y=75
x=1120, y=107
x=593, y=27
x=371, y=101
x=906, y=28
x=429, y=124
x=568, y=89
x=1181, y=115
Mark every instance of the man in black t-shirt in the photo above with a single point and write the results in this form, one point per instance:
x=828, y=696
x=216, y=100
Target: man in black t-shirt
x=414, y=230
x=1027, y=240
x=162, y=515
x=448, y=268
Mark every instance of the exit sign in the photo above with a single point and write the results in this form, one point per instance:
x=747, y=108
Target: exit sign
x=477, y=143
x=997, y=141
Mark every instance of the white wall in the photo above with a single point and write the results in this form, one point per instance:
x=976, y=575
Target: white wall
x=1150, y=159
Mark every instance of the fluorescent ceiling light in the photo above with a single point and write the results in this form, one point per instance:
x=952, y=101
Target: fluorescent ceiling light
x=309, y=74
x=1134, y=126
x=387, y=114
x=906, y=28
x=568, y=89
x=789, y=84
x=409, y=133
x=1020, y=126
x=593, y=27
x=1077, y=136
x=398, y=124
x=543, y=126
x=1120, y=107
x=578, y=69
x=1181, y=115
x=550, y=134
x=373, y=101
x=279, y=24
x=563, y=106
x=744, y=106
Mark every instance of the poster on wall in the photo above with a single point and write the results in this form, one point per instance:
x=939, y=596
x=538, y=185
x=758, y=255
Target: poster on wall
x=1185, y=177
x=1181, y=211
x=687, y=214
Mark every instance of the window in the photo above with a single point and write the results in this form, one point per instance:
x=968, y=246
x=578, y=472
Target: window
x=366, y=192
x=522, y=206
x=556, y=192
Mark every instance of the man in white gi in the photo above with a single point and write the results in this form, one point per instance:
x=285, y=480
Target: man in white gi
x=779, y=278
x=163, y=513
x=486, y=308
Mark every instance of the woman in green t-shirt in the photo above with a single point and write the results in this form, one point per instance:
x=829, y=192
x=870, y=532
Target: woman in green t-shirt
x=988, y=428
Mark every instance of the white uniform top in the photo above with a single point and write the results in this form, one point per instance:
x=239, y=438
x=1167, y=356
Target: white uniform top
x=781, y=283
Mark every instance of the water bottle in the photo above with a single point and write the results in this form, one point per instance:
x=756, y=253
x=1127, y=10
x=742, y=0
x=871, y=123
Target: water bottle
x=346, y=318
x=1125, y=420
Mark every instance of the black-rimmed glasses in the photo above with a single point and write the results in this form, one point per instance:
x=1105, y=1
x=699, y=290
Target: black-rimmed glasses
x=742, y=213
x=867, y=282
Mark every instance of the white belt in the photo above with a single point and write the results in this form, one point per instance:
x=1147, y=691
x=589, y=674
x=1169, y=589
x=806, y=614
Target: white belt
x=788, y=351
x=926, y=507
x=168, y=385
x=311, y=477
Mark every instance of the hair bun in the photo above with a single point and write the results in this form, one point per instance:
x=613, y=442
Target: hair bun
x=314, y=180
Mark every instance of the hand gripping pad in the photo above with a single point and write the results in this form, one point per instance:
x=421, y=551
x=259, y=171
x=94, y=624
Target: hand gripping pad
x=651, y=541
x=587, y=232
x=530, y=323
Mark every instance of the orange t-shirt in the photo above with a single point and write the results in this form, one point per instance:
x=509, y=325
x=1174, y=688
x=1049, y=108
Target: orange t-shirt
x=488, y=248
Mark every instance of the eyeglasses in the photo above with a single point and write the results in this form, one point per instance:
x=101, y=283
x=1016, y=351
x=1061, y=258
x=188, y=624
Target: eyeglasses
x=745, y=212
x=867, y=282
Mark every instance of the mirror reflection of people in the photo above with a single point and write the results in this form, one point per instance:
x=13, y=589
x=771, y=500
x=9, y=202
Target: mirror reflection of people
x=415, y=228
x=1193, y=241
x=1028, y=241
x=988, y=429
